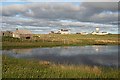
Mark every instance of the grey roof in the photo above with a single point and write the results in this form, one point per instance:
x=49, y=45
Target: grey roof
x=22, y=32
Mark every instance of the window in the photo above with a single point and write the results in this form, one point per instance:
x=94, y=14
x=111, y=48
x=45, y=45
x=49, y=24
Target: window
x=27, y=37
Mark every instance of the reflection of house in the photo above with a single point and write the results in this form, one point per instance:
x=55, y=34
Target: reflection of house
x=63, y=31
x=22, y=51
x=6, y=33
x=22, y=34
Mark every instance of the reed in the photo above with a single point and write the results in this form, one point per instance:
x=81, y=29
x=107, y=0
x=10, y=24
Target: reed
x=22, y=68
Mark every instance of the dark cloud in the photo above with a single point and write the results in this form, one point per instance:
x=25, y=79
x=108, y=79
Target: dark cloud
x=104, y=6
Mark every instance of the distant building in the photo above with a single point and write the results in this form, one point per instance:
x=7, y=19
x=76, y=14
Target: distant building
x=100, y=33
x=52, y=32
x=6, y=33
x=97, y=32
x=22, y=34
x=83, y=33
x=78, y=33
x=63, y=31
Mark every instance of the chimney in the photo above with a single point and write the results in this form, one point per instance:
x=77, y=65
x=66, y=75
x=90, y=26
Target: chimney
x=16, y=28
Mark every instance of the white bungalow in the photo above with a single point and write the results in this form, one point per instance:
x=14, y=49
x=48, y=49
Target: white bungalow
x=63, y=31
x=97, y=32
x=100, y=33
x=83, y=33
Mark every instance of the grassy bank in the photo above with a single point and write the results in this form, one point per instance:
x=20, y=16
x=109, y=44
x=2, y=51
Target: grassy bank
x=52, y=40
x=21, y=68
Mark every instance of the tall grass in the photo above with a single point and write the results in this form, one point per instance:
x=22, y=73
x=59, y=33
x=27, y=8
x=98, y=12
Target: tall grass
x=21, y=68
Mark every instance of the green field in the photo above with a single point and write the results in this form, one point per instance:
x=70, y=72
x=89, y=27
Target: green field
x=21, y=68
x=52, y=40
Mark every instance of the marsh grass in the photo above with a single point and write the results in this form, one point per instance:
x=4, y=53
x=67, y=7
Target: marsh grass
x=53, y=40
x=22, y=68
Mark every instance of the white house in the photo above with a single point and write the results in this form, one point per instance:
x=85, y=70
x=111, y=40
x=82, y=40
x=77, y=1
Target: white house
x=100, y=33
x=83, y=33
x=63, y=31
x=97, y=32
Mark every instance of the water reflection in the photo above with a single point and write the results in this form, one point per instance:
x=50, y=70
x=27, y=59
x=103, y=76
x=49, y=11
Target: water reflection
x=85, y=55
x=22, y=51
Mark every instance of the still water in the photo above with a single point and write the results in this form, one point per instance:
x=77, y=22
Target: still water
x=82, y=55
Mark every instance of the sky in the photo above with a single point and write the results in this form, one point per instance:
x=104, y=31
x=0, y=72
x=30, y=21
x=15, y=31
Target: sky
x=51, y=15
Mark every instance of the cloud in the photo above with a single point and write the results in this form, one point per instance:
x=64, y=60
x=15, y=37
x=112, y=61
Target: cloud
x=13, y=10
x=101, y=0
x=60, y=0
x=51, y=14
x=109, y=6
x=56, y=11
x=105, y=17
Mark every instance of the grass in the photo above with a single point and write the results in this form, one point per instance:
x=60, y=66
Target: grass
x=52, y=40
x=22, y=68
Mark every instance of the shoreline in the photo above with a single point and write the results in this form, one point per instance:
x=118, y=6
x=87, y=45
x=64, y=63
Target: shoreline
x=27, y=47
